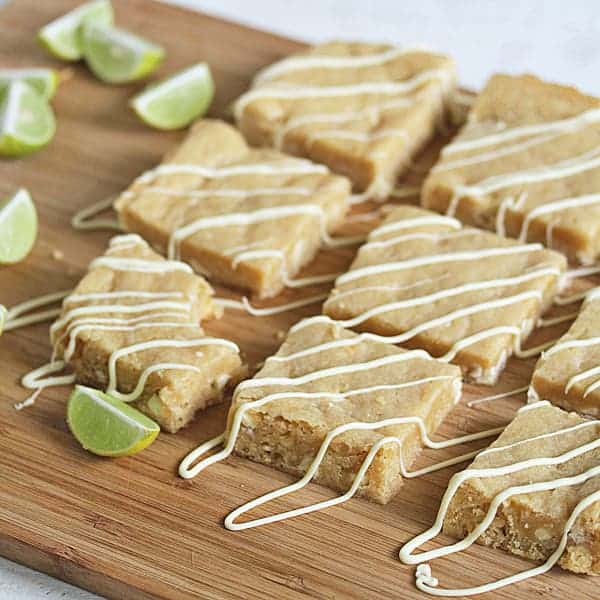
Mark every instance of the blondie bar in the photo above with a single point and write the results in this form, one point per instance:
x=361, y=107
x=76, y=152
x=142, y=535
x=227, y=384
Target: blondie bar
x=568, y=373
x=132, y=327
x=464, y=295
x=324, y=377
x=555, y=457
x=527, y=164
x=249, y=218
x=364, y=110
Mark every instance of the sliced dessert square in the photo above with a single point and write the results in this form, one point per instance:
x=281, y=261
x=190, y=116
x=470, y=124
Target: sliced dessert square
x=464, y=295
x=246, y=217
x=554, y=457
x=568, y=374
x=324, y=377
x=132, y=327
x=526, y=164
x=364, y=110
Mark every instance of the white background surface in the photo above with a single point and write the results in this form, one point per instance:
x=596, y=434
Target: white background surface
x=556, y=39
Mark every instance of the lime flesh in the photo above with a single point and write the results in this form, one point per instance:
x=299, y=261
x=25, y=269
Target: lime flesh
x=18, y=227
x=62, y=37
x=106, y=426
x=44, y=81
x=176, y=101
x=26, y=120
x=117, y=56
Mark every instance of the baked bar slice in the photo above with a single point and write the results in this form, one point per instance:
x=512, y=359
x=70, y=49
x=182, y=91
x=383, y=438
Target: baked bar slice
x=526, y=164
x=132, y=327
x=364, y=110
x=532, y=523
x=464, y=295
x=323, y=377
x=568, y=374
x=246, y=217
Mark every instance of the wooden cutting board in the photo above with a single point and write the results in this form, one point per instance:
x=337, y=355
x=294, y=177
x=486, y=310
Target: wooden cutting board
x=130, y=528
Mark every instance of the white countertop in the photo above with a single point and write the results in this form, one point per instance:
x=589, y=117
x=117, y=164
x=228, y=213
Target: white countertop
x=556, y=39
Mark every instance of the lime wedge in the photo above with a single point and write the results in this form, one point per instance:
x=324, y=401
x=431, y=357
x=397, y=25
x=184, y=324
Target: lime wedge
x=3, y=313
x=117, y=56
x=106, y=426
x=176, y=101
x=18, y=227
x=62, y=37
x=44, y=81
x=26, y=120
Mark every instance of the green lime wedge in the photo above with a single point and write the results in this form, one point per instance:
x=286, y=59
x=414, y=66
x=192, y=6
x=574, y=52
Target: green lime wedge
x=18, y=227
x=3, y=313
x=117, y=56
x=26, y=120
x=176, y=101
x=45, y=81
x=62, y=37
x=106, y=426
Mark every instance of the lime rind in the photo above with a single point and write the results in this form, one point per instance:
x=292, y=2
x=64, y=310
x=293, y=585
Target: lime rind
x=45, y=81
x=118, y=56
x=106, y=426
x=18, y=227
x=178, y=100
x=62, y=37
x=27, y=122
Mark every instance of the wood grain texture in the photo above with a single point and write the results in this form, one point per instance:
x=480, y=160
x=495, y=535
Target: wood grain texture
x=130, y=528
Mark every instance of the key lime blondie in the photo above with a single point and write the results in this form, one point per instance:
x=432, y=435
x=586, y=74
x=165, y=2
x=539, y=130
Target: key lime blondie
x=465, y=295
x=324, y=377
x=249, y=218
x=364, y=110
x=132, y=327
x=545, y=463
x=526, y=164
x=567, y=374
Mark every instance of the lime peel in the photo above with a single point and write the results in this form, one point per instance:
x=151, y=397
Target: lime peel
x=26, y=120
x=45, y=81
x=18, y=227
x=62, y=37
x=176, y=101
x=118, y=56
x=106, y=426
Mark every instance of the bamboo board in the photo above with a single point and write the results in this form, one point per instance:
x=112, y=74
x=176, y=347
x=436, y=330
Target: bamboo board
x=130, y=528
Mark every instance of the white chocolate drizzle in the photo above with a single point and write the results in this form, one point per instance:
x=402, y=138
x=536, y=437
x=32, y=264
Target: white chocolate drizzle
x=245, y=305
x=325, y=61
x=15, y=320
x=406, y=191
x=500, y=396
x=429, y=584
x=299, y=92
x=570, y=125
x=460, y=256
x=83, y=219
